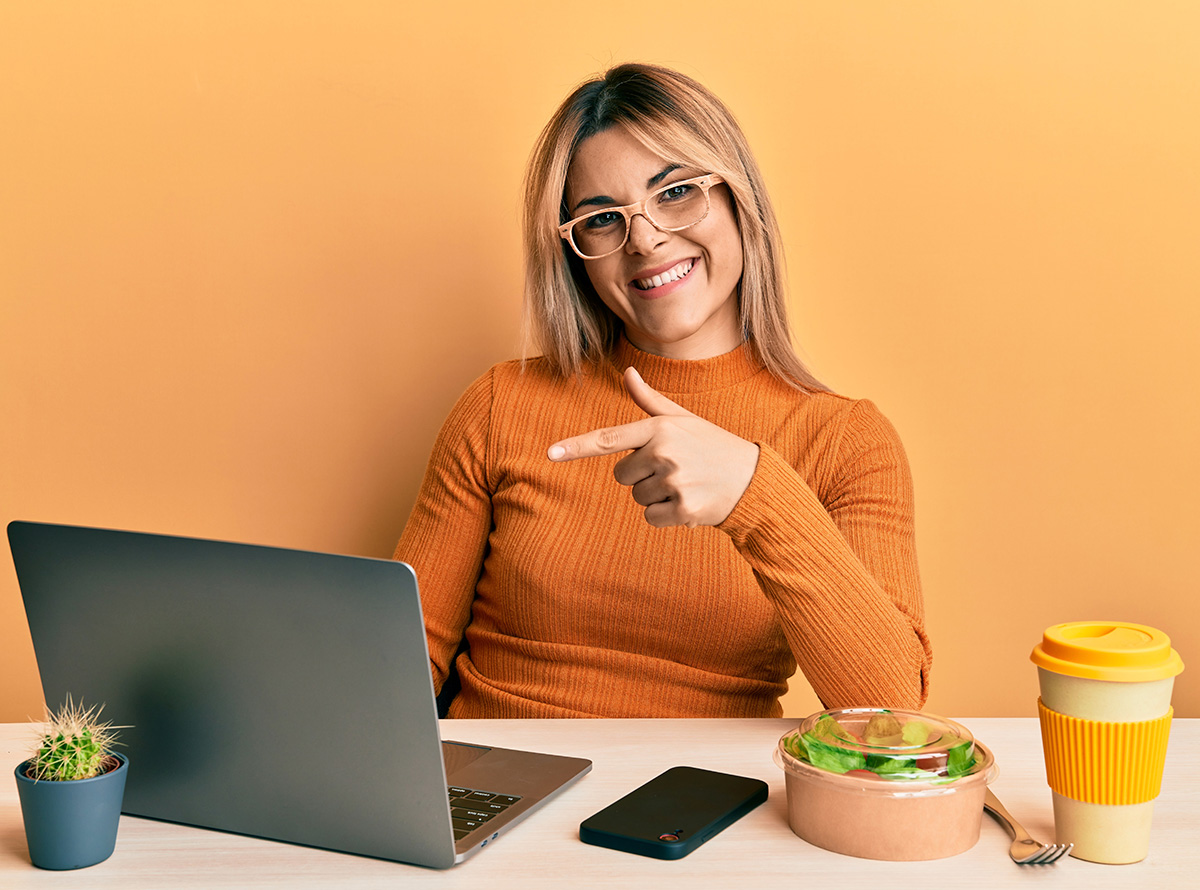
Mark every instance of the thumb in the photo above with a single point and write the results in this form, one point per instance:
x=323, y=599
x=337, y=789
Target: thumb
x=647, y=398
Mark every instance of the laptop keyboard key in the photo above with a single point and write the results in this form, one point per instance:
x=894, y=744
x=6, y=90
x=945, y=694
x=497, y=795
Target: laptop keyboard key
x=470, y=809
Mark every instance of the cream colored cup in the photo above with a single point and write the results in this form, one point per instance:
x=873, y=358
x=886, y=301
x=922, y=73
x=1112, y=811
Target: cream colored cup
x=1105, y=712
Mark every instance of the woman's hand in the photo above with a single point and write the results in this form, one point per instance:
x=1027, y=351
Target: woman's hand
x=683, y=469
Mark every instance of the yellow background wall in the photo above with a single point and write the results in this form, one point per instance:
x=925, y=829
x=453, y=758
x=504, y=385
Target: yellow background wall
x=251, y=252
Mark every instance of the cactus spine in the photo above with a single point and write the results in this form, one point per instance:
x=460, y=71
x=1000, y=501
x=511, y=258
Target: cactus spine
x=74, y=744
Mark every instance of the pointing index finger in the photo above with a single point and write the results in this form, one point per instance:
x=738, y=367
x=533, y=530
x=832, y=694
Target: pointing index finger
x=607, y=440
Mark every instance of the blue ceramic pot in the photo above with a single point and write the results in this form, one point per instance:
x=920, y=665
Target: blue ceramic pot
x=72, y=824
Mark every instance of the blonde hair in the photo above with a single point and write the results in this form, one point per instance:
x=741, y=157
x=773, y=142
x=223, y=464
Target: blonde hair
x=679, y=120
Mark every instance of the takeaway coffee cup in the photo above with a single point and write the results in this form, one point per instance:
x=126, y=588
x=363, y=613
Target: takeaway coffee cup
x=1105, y=713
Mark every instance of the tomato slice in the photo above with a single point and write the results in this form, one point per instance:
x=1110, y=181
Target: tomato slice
x=862, y=773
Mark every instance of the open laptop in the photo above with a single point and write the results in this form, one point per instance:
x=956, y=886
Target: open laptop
x=275, y=693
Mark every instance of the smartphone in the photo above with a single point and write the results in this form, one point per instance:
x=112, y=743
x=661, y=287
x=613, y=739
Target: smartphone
x=673, y=813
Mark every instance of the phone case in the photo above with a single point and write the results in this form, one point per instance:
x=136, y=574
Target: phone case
x=673, y=813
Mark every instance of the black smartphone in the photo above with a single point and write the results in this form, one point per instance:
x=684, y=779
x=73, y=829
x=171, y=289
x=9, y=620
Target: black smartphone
x=673, y=813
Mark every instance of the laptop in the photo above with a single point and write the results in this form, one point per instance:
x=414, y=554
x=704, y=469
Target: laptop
x=276, y=693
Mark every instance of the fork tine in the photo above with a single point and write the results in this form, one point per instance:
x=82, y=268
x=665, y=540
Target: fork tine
x=1048, y=854
x=1045, y=854
x=1063, y=850
x=1037, y=856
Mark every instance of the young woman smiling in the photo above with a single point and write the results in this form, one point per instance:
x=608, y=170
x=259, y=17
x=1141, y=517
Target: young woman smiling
x=664, y=514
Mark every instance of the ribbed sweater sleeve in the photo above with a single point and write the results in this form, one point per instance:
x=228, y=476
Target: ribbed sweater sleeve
x=842, y=574
x=447, y=531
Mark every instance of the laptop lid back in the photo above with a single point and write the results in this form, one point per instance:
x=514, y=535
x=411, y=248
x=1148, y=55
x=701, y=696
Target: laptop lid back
x=269, y=692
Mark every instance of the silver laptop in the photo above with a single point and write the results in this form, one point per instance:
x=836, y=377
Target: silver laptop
x=275, y=693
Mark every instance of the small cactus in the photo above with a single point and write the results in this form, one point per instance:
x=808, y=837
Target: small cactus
x=74, y=745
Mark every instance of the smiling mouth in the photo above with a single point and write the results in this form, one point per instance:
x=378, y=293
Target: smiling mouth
x=676, y=272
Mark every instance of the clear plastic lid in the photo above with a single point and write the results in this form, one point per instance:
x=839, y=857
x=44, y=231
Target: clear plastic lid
x=875, y=743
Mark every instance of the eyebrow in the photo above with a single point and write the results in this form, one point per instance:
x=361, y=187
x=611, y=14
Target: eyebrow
x=602, y=200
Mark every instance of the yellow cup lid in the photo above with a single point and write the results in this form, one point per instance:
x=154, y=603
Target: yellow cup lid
x=1107, y=650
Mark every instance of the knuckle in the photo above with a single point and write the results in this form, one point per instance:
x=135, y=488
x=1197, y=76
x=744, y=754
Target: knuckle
x=657, y=518
x=661, y=427
x=687, y=511
x=608, y=437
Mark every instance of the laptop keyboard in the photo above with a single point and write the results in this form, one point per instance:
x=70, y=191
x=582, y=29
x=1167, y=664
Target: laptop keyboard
x=469, y=809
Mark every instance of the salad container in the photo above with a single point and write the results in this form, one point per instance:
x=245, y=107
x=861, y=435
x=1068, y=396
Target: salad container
x=880, y=784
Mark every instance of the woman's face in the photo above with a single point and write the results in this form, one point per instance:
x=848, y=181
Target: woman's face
x=692, y=313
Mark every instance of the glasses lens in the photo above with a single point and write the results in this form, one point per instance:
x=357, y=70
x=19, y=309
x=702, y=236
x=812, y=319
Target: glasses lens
x=599, y=233
x=678, y=206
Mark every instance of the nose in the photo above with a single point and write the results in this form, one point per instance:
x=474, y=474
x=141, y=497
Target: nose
x=644, y=235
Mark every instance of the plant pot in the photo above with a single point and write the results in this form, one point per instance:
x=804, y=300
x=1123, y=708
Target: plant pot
x=72, y=824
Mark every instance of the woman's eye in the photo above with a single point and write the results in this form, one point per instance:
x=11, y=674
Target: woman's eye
x=675, y=193
x=602, y=221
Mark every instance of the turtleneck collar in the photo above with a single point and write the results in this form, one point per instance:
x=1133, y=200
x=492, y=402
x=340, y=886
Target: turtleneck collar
x=671, y=375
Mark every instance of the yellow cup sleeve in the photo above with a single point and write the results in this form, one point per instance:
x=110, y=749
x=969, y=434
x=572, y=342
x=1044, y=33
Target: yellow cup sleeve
x=1101, y=762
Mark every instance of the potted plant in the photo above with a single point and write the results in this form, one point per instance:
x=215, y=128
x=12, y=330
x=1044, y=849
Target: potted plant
x=71, y=789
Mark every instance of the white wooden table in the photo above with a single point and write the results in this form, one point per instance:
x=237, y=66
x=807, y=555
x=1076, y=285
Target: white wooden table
x=759, y=851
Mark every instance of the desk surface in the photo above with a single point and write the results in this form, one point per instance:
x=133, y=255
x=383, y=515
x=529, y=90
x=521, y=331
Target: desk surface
x=546, y=852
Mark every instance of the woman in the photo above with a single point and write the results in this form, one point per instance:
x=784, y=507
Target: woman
x=664, y=513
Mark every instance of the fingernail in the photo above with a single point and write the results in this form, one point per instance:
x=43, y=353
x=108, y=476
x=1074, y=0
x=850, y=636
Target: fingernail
x=556, y=452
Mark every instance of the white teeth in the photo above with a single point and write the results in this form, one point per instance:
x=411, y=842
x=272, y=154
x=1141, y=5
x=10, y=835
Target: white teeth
x=672, y=274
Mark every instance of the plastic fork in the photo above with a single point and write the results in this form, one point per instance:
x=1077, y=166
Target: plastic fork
x=1024, y=850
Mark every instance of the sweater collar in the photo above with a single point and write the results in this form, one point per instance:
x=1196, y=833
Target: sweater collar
x=670, y=375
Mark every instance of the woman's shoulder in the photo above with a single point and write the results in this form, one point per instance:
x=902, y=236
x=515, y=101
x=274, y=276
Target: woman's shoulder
x=860, y=431
x=537, y=376
x=850, y=409
x=860, y=417
x=525, y=387
x=820, y=402
x=537, y=368
x=832, y=421
x=817, y=405
x=511, y=373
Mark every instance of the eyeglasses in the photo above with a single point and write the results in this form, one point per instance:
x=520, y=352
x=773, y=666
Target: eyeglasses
x=672, y=208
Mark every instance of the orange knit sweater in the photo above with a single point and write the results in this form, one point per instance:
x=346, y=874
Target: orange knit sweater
x=572, y=605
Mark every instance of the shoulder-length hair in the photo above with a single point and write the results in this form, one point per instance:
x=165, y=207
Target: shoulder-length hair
x=680, y=121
